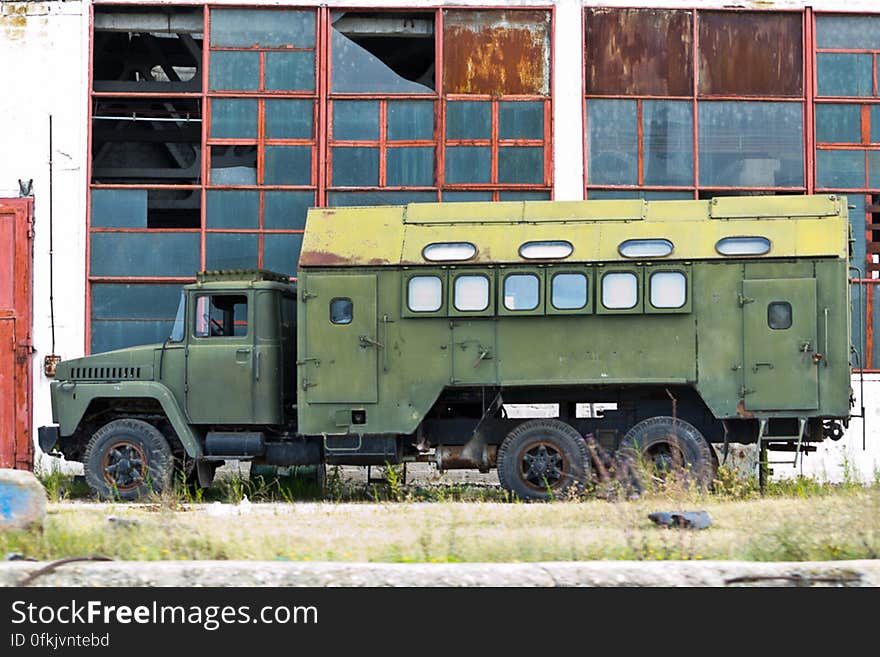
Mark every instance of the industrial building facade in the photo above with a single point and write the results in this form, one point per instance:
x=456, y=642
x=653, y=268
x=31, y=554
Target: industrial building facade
x=193, y=135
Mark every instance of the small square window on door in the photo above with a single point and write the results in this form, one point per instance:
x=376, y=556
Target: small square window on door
x=779, y=315
x=341, y=310
x=221, y=315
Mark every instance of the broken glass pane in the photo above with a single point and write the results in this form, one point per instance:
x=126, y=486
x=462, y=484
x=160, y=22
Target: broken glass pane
x=289, y=119
x=119, y=208
x=838, y=124
x=231, y=250
x=382, y=53
x=410, y=167
x=520, y=120
x=521, y=164
x=233, y=165
x=844, y=169
x=288, y=165
x=234, y=118
x=468, y=119
x=355, y=167
x=144, y=254
x=356, y=120
x=232, y=209
x=239, y=71
x=668, y=142
x=613, y=145
x=410, y=119
x=290, y=71
x=845, y=74
x=468, y=164
x=751, y=144
x=286, y=209
x=848, y=32
x=243, y=28
x=281, y=252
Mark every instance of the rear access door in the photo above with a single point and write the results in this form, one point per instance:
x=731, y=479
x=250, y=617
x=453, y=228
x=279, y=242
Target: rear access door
x=339, y=363
x=779, y=341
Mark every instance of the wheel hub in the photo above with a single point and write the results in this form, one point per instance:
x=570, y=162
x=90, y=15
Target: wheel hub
x=542, y=465
x=124, y=465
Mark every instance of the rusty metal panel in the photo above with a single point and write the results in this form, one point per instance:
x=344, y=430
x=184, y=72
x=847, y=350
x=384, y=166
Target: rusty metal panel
x=750, y=53
x=639, y=52
x=16, y=445
x=497, y=52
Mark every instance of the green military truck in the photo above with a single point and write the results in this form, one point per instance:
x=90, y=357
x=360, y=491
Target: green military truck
x=411, y=331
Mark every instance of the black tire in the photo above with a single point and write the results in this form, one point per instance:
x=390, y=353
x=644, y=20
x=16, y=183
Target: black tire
x=127, y=460
x=541, y=459
x=662, y=444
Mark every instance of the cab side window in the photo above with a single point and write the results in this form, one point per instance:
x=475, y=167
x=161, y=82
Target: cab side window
x=221, y=315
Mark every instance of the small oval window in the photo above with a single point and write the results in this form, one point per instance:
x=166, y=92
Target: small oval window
x=653, y=248
x=740, y=246
x=445, y=251
x=553, y=250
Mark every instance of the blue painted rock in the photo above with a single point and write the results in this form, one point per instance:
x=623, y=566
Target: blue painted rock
x=22, y=500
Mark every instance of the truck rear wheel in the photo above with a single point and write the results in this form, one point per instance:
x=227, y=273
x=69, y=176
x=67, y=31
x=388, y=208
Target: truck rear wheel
x=127, y=459
x=541, y=458
x=661, y=445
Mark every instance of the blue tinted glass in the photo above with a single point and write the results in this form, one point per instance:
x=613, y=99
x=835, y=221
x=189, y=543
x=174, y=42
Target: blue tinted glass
x=349, y=199
x=840, y=169
x=233, y=165
x=234, y=118
x=850, y=32
x=468, y=119
x=286, y=209
x=668, y=142
x=144, y=254
x=874, y=169
x=232, y=209
x=521, y=120
x=290, y=71
x=845, y=74
x=234, y=70
x=614, y=194
x=355, y=167
x=231, y=250
x=751, y=144
x=356, y=119
x=356, y=70
x=613, y=142
x=288, y=165
x=138, y=301
x=410, y=119
x=468, y=164
x=243, y=28
x=568, y=291
x=119, y=208
x=410, y=167
x=110, y=335
x=524, y=196
x=521, y=164
x=466, y=197
x=875, y=124
x=289, y=119
x=281, y=252
x=838, y=123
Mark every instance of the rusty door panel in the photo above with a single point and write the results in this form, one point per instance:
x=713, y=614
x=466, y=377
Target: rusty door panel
x=16, y=445
x=639, y=51
x=496, y=52
x=751, y=53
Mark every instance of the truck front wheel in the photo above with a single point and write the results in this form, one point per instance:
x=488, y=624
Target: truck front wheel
x=540, y=459
x=127, y=459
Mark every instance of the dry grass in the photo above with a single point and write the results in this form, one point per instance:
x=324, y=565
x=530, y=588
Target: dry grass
x=806, y=521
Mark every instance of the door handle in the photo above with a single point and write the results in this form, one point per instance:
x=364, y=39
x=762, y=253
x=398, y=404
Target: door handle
x=369, y=342
x=242, y=356
x=758, y=365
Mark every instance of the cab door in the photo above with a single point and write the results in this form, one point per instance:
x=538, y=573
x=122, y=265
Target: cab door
x=779, y=341
x=220, y=359
x=340, y=360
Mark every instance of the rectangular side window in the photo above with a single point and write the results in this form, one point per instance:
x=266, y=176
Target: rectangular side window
x=620, y=291
x=424, y=294
x=668, y=289
x=471, y=293
x=221, y=316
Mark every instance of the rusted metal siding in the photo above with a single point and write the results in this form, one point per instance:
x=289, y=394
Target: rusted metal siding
x=496, y=52
x=750, y=53
x=639, y=52
x=16, y=446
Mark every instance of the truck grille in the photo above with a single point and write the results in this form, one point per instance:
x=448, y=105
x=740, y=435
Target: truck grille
x=105, y=373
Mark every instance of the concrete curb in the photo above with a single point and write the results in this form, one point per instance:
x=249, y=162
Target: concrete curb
x=862, y=573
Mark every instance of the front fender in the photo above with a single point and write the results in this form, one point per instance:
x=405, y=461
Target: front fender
x=70, y=400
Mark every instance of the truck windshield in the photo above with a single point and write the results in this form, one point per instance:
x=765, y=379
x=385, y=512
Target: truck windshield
x=177, y=329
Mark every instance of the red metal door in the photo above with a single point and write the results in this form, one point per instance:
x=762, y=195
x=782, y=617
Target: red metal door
x=16, y=444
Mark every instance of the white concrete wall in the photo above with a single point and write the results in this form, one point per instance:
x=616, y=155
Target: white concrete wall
x=44, y=49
